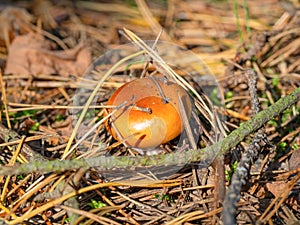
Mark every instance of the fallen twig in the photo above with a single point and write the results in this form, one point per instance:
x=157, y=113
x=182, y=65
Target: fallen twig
x=177, y=158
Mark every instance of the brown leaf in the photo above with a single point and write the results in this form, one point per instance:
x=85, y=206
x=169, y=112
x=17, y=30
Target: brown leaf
x=33, y=54
x=13, y=19
x=276, y=188
x=294, y=162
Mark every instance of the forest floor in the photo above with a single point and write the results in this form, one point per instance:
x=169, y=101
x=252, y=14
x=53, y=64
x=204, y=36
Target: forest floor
x=54, y=55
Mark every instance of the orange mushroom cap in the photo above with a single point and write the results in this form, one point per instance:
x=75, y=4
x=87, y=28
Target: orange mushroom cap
x=151, y=115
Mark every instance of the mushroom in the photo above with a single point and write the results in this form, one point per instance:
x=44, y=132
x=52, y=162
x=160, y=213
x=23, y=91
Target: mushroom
x=151, y=114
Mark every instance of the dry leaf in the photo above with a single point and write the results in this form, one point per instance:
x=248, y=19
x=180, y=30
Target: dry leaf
x=65, y=127
x=294, y=162
x=276, y=188
x=13, y=20
x=32, y=54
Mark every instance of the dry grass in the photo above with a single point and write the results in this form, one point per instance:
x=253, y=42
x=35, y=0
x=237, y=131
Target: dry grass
x=43, y=108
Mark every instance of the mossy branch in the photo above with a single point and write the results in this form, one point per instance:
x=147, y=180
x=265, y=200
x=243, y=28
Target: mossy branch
x=177, y=158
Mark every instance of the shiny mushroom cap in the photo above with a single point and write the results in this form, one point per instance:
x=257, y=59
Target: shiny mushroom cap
x=151, y=115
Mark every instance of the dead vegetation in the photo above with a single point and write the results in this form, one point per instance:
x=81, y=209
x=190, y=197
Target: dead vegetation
x=45, y=52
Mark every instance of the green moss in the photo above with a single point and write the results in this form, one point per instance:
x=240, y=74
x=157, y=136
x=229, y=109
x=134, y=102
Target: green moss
x=163, y=197
x=229, y=173
x=35, y=126
x=59, y=117
x=228, y=95
x=96, y=204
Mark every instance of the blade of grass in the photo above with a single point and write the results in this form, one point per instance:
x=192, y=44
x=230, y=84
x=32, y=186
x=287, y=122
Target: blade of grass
x=91, y=97
x=165, y=183
x=2, y=84
x=236, y=13
x=166, y=68
x=247, y=17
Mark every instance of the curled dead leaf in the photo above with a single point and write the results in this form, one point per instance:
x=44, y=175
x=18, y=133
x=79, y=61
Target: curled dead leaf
x=32, y=54
x=12, y=20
